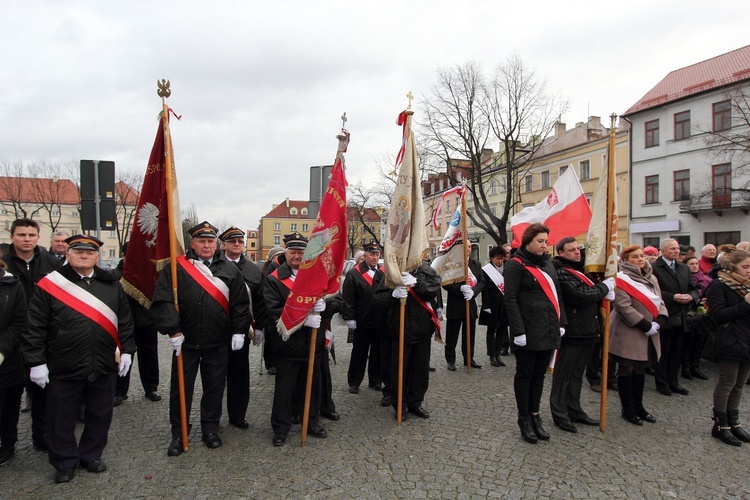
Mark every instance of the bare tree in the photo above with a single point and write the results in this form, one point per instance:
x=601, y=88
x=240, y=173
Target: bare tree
x=189, y=219
x=363, y=204
x=127, y=189
x=466, y=112
x=50, y=190
x=13, y=198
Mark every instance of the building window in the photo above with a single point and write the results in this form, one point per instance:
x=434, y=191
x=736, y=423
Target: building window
x=252, y=244
x=55, y=213
x=652, y=189
x=584, y=170
x=277, y=240
x=292, y=211
x=652, y=241
x=722, y=115
x=111, y=253
x=681, y=125
x=277, y=226
x=362, y=230
x=562, y=170
x=448, y=206
x=528, y=182
x=493, y=186
x=545, y=179
x=588, y=197
x=721, y=176
x=652, y=133
x=722, y=238
x=111, y=234
x=681, y=185
x=682, y=239
x=503, y=183
x=304, y=211
x=351, y=228
x=293, y=226
x=305, y=227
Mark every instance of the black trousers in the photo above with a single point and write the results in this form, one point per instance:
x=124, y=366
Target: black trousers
x=366, y=343
x=38, y=410
x=452, y=327
x=385, y=364
x=416, y=372
x=212, y=364
x=528, y=381
x=289, y=393
x=497, y=338
x=62, y=406
x=146, y=340
x=692, y=349
x=565, y=395
x=326, y=403
x=238, y=382
x=668, y=366
x=10, y=406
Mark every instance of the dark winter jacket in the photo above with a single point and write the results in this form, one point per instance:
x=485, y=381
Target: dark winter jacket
x=732, y=315
x=359, y=298
x=254, y=279
x=12, y=329
x=28, y=273
x=673, y=282
x=581, y=303
x=494, y=300
x=456, y=308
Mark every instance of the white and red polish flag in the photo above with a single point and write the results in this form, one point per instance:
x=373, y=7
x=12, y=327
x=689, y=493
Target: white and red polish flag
x=565, y=211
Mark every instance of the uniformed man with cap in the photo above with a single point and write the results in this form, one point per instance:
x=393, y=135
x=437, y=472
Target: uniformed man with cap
x=290, y=356
x=80, y=336
x=238, y=370
x=214, y=315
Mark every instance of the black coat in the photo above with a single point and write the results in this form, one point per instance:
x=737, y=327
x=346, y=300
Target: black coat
x=29, y=273
x=671, y=282
x=359, y=298
x=255, y=280
x=456, y=308
x=12, y=329
x=73, y=346
x=732, y=315
x=494, y=300
x=581, y=303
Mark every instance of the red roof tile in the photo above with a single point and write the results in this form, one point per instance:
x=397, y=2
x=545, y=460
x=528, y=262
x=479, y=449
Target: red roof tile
x=282, y=211
x=33, y=190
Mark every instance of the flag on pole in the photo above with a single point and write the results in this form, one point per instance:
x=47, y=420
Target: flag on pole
x=148, y=248
x=601, y=258
x=319, y=274
x=450, y=262
x=405, y=239
x=565, y=211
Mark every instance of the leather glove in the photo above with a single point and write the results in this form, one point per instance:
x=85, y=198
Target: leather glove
x=39, y=375
x=562, y=331
x=320, y=306
x=467, y=291
x=259, y=337
x=439, y=314
x=351, y=324
x=313, y=321
x=126, y=361
x=610, y=296
x=654, y=329
x=400, y=292
x=408, y=279
x=329, y=339
x=520, y=341
x=176, y=342
x=610, y=282
x=238, y=340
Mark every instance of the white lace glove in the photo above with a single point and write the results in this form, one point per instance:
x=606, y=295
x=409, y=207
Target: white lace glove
x=400, y=292
x=520, y=341
x=320, y=306
x=562, y=331
x=176, y=342
x=259, y=337
x=238, y=340
x=408, y=279
x=351, y=324
x=467, y=291
x=126, y=361
x=610, y=282
x=329, y=339
x=39, y=375
x=313, y=321
x=610, y=296
x=439, y=314
x=654, y=329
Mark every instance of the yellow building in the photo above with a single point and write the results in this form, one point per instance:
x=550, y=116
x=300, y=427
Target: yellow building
x=286, y=217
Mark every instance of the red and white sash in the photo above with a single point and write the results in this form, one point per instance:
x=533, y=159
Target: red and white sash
x=366, y=275
x=639, y=292
x=495, y=276
x=579, y=275
x=288, y=282
x=202, y=275
x=545, y=281
x=428, y=307
x=82, y=301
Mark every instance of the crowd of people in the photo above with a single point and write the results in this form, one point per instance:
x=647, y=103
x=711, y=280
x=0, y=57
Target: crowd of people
x=69, y=334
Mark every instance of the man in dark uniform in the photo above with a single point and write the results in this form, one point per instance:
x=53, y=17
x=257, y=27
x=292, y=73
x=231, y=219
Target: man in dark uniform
x=291, y=356
x=80, y=335
x=214, y=313
x=238, y=369
x=274, y=260
x=458, y=295
x=493, y=305
x=365, y=318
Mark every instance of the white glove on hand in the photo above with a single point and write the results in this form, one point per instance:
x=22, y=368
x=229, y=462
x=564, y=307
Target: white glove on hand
x=439, y=314
x=238, y=340
x=400, y=292
x=259, y=337
x=351, y=324
x=329, y=339
x=562, y=331
x=2, y=358
x=520, y=341
x=467, y=291
x=39, y=375
x=654, y=329
x=610, y=296
x=320, y=306
x=176, y=342
x=408, y=279
x=487, y=310
x=126, y=361
x=313, y=321
x=610, y=282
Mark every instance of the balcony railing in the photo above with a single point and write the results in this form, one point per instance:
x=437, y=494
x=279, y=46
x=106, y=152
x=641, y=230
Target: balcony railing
x=717, y=202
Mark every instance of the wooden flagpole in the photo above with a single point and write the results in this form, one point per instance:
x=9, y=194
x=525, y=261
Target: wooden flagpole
x=467, y=252
x=164, y=92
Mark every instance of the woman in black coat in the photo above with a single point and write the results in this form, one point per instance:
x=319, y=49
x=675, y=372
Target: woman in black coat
x=533, y=305
x=728, y=299
x=493, y=306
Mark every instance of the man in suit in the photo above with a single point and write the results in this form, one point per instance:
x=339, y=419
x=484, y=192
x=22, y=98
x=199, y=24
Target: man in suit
x=458, y=295
x=678, y=291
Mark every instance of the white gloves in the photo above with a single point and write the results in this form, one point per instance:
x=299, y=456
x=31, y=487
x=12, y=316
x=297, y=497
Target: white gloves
x=610, y=296
x=313, y=321
x=562, y=331
x=400, y=292
x=126, y=361
x=329, y=339
x=467, y=291
x=39, y=375
x=520, y=341
x=176, y=342
x=351, y=324
x=238, y=340
x=487, y=310
x=2, y=358
x=320, y=306
x=408, y=279
x=654, y=329
x=259, y=337
x=610, y=282
x=439, y=314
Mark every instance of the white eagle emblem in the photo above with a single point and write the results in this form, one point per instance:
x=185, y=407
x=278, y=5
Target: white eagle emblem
x=148, y=221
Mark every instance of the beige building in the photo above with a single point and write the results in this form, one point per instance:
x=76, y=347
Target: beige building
x=286, y=217
x=252, y=245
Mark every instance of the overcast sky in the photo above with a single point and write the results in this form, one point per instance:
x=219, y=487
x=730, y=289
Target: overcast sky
x=261, y=85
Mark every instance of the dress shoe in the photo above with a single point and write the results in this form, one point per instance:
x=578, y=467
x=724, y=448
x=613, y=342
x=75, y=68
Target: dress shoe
x=494, y=361
x=120, y=399
x=633, y=419
x=317, y=431
x=420, y=412
x=678, y=389
x=474, y=364
x=64, y=475
x=500, y=362
x=330, y=415
x=175, y=448
x=686, y=374
x=153, y=396
x=279, y=439
x=386, y=401
x=596, y=387
x=6, y=452
x=212, y=440
x=697, y=373
x=452, y=367
x=432, y=368
x=566, y=426
x=296, y=419
x=646, y=416
x=272, y=371
x=504, y=351
x=240, y=424
x=353, y=389
x=404, y=415
x=585, y=420
x=40, y=445
x=378, y=386
x=666, y=391
x=96, y=466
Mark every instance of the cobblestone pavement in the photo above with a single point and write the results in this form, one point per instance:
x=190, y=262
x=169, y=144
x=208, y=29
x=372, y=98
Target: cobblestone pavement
x=469, y=447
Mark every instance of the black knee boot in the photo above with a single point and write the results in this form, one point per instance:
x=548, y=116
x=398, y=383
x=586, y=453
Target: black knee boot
x=736, y=427
x=722, y=430
x=625, y=389
x=638, y=383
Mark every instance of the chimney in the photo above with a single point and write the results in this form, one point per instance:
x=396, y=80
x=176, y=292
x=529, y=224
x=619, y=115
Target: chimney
x=560, y=129
x=287, y=202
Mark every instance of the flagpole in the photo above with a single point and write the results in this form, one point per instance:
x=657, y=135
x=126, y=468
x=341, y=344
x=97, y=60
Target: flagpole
x=165, y=92
x=607, y=249
x=467, y=252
